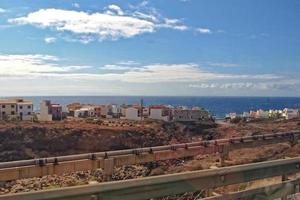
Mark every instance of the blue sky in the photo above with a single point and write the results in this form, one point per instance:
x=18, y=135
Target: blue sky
x=170, y=47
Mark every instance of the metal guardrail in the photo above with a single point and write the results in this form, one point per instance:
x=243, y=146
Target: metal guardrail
x=159, y=186
x=232, y=141
x=109, y=160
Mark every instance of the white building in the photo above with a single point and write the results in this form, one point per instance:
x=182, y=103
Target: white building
x=17, y=108
x=262, y=114
x=231, y=115
x=274, y=114
x=45, y=112
x=290, y=113
x=160, y=113
x=133, y=113
x=25, y=110
x=84, y=112
x=113, y=111
x=246, y=114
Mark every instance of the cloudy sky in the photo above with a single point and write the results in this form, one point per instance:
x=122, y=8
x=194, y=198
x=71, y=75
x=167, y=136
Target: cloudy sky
x=154, y=47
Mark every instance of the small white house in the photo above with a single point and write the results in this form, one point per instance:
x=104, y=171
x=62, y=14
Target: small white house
x=290, y=113
x=133, y=113
x=84, y=112
x=231, y=115
x=160, y=112
x=246, y=114
x=261, y=114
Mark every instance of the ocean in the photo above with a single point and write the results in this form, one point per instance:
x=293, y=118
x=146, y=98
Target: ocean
x=218, y=106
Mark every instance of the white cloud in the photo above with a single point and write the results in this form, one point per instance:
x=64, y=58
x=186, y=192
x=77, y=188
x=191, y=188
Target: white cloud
x=2, y=10
x=173, y=24
x=114, y=9
x=32, y=66
x=47, y=71
x=204, y=30
x=103, y=26
x=122, y=66
x=263, y=86
x=128, y=62
x=49, y=40
x=116, y=67
x=112, y=24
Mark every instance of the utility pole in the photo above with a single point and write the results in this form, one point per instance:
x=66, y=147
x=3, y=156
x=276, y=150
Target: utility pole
x=142, y=108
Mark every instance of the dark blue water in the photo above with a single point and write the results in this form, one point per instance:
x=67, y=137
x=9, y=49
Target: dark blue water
x=218, y=106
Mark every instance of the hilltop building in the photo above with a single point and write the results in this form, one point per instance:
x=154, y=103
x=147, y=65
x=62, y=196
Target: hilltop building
x=133, y=113
x=18, y=109
x=160, y=112
x=50, y=112
x=190, y=115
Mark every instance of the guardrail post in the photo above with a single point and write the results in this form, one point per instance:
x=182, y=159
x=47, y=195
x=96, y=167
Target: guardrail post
x=284, y=177
x=224, y=153
x=293, y=139
x=108, y=168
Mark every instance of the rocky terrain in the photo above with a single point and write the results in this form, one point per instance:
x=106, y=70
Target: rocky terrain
x=26, y=140
x=68, y=138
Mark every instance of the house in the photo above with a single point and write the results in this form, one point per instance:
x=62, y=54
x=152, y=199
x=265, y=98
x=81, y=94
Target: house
x=16, y=109
x=290, y=113
x=133, y=113
x=190, y=115
x=261, y=114
x=8, y=109
x=85, y=112
x=113, y=111
x=275, y=114
x=50, y=112
x=57, y=113
x=25, y=110
x=160, y=112
x=231, y=116
x=246, y=115
x=97, y=111
x=72, y=107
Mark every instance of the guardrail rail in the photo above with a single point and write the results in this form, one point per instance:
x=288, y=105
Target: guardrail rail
x=108, y=160
x=159, y=186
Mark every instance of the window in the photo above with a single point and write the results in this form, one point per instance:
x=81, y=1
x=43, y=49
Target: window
x=12, y=106
x=12, y=112
x=21, y=107
x=29, y=113
x=3, y=106
x=29, y=107
x=3, y=113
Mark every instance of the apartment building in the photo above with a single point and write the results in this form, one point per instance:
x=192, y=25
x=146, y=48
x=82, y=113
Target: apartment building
x=18, y=109
x=50, y=112
x=25, y=110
